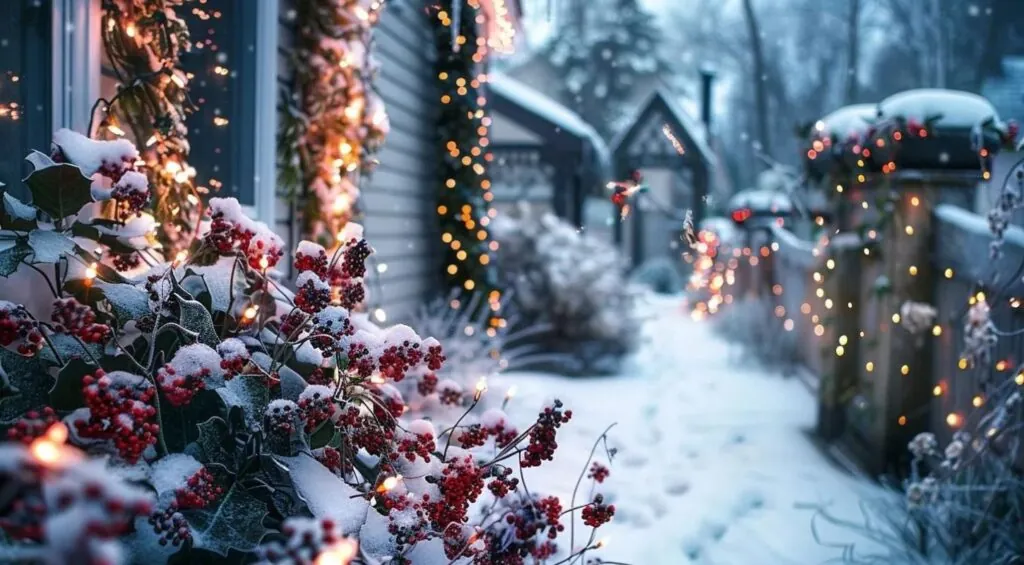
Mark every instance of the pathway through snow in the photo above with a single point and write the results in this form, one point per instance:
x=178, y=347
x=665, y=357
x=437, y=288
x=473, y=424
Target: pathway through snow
x=714, y=464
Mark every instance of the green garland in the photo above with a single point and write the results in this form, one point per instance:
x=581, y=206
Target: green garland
x=463, y=192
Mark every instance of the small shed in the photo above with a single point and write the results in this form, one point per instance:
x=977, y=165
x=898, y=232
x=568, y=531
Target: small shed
x=672, y=153
x=544, y=153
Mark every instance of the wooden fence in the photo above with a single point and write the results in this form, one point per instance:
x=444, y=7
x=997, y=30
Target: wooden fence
x=879, y=384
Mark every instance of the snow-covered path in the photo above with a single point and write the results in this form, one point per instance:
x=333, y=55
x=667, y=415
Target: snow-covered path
x=715, y=463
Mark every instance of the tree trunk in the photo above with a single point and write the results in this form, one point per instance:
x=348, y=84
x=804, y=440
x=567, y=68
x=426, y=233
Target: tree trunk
x=941, y=39
x=993, y=41
x=759, y=76
x=853, y=53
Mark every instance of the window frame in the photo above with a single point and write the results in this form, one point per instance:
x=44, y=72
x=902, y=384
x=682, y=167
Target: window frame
x=76, y=72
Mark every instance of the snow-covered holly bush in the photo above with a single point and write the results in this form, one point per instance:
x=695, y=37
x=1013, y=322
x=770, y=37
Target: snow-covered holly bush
x=572, y=282
x=216, y=417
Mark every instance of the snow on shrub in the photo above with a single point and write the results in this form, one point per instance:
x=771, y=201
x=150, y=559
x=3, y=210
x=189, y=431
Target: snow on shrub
x=254, y=424
x=573, y=283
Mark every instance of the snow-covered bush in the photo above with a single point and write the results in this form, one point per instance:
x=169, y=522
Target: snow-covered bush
x=572, y=282
x=253, y=423
x=752, y=323
x=661, y=275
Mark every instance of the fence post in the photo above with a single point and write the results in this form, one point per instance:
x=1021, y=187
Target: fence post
x=840, y=372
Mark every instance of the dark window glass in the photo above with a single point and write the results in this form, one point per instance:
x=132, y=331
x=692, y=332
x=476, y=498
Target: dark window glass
x=25, y=89
x=222, y=65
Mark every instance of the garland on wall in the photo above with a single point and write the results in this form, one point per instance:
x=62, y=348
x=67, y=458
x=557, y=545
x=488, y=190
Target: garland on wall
x=143, y=41
x=464, y=194
x=334, y=122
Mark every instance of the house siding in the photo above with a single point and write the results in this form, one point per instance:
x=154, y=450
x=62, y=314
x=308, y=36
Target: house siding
x=398, y=200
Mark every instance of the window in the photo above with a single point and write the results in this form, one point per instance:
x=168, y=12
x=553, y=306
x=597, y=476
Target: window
x=232, y=130
x=25, y=86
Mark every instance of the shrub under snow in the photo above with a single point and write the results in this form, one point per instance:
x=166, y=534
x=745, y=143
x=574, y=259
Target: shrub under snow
x=572, y=282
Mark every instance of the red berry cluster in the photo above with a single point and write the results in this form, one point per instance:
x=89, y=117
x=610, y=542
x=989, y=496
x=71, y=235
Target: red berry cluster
x=542, y=444
x=331, y=458
x=23, y=519
x=471, y=436
x=16, y=324
x=374, y=440
x=282, y=416
x=180, y=389
x=396, y=359
x=351, y=293
x=225, y=235
x=503, y=482
x=550, y=508
x=360, y=361
x=435, y=355
x=125, y=261
x=311, y=297
x=117, y=515
x=460, y=484
x=353, y=262
x=450, y=395
x=199, y=491
x=331, y=328
x=171, y=526
x=131, y=201
x=263, y=252
x=598, y=472
x=427, y=384
x=34, y=424
x=120, y=410
x=71, y=317
x=316, y=406
x=414, y=445
x=597, y=513
x=503, y=433
x=312, y=258
x=291, y=322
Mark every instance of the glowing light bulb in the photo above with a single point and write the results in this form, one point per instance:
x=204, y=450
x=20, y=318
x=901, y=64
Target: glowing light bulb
x=341, y=552
x=264, y=263
x=510, y=392
x=481, y=388
x=130, y=30
x=380, y=315
x=180, y=257
x=115, y=130
x=250, y=313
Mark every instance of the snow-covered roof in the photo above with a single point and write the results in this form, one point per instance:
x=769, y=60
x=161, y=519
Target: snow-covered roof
x=847, y=120
x=693, y=128
x=1006, y=92
x=762, y=200
x=958, y=109
x=550, y=110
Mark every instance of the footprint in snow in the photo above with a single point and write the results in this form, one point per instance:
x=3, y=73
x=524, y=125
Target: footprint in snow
x=677, y=488
x=634, y=461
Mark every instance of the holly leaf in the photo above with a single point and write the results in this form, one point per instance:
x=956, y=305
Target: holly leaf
x=17, y=215
x=49, y=246
x=254, y=394
x=322, y=436
x=59, y=190
x=197, y=318
x=234, y=524
x=12, y=257
x=66, y=394
x=214, y=443
x=127, y=302
x=27, y=385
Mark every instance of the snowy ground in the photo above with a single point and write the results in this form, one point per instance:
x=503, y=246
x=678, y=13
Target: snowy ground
x=715, y=463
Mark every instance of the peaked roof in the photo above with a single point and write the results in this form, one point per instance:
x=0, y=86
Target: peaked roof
x=549, y=110
x=661, y=96
x=1006, y=92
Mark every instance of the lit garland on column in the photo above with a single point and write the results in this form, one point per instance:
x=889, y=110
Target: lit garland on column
x=143, y=40
x=464, y=195
x=338, y=122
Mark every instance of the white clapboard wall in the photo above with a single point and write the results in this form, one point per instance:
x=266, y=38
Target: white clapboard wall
x=399, y=200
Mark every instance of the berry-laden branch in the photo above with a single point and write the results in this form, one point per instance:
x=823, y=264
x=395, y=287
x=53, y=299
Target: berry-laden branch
x=334, y=121
x=143, y=41
x=464, y=196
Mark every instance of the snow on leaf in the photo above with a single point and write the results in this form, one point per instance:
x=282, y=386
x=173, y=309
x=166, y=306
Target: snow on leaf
x=326, y=494
x=59, y=190
x=49, y=246
x=236, y=523
x=12, y=257
x=128, y=302
x=253, y=394
x=17, y=215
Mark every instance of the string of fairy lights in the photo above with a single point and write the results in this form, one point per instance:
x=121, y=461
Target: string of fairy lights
x=464, y=199
x=142, y=42
x=336, y=122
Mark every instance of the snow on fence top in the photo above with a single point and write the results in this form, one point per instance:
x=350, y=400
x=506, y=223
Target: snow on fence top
x=550, y=110
x=957, y=109
x=847, y=120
